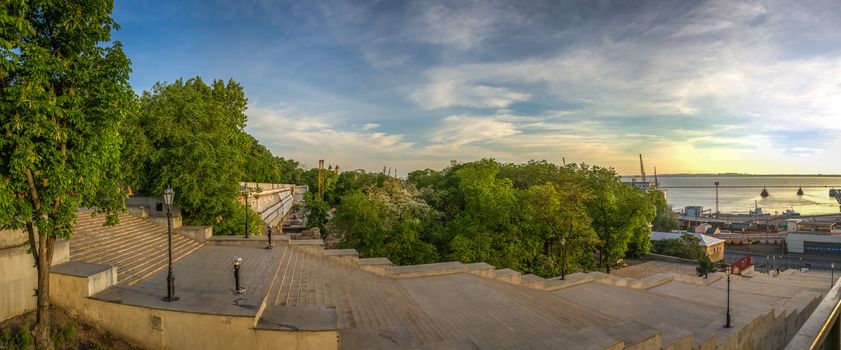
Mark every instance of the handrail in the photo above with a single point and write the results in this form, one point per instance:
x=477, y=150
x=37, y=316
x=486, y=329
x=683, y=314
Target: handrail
x=815, y=330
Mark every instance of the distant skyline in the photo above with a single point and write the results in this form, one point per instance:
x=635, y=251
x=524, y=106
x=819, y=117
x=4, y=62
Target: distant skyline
x=695, y=86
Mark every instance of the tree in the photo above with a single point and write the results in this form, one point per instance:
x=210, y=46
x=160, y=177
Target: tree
x=686, y=246
x=665, y=219
x=64, y=93
x=561, y=224
x=315, y=211
x=705, y=266
x=189, y=135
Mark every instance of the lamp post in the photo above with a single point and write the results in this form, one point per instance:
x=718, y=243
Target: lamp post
x=247, y=207
x=727, y=323
x=563, y=258
x=170, y=277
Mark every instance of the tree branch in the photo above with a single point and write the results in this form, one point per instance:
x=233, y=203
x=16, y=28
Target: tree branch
x=30, y=229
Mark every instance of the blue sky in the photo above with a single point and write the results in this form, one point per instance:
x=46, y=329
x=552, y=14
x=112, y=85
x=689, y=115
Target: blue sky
x=695, y=86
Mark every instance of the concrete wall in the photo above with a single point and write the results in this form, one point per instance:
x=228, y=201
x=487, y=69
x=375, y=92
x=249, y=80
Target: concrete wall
x=18, y=276
x=168, y=329
x=151, y=204
x=197, y=233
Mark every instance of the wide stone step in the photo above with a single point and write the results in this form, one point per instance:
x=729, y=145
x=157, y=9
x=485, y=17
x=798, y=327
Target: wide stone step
x=176, y=256
x=113, y=246
x=157, y=259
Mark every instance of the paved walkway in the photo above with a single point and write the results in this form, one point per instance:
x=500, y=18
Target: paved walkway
x=204, y=281
x=461, y=310
x=642, y=269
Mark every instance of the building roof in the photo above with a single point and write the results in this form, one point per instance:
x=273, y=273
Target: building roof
x=706, y=240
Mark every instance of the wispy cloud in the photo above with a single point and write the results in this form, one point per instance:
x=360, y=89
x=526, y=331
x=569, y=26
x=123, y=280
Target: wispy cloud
x=712, y=85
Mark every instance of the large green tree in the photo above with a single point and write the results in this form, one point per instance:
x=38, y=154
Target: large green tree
x=64, y=93
x=189, y=135
x=620, y=214
x=561, y=227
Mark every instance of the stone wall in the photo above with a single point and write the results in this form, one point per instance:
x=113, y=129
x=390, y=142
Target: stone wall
x=18, y=276
x=168, y=329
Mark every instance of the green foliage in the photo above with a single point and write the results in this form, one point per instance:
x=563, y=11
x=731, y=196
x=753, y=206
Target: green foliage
x=687, y=246
x=315, y=211
x=262, y=166
x=665, y=219
x=20, y=339
x=190, y=135
x=232, y=222
x=536, y=217
x=331, y=196
x=705, y=265
x=65, y=337
x=64, y=92
x=385, y=221
x=621, y=214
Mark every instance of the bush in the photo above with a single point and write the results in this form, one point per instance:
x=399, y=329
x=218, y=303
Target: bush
x=687, y=246
x=65, y=337
x=233, y=222
x=705, y=266
x=21, y=339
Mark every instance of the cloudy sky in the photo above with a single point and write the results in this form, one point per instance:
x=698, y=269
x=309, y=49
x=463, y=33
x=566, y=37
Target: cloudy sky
x=695, y=86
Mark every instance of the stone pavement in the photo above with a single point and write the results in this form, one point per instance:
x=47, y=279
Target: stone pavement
x=456, y=306
x=204, y=281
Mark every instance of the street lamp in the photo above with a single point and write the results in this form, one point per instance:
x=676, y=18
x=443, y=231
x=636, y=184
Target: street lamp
x=247, y=207
x=563, y=258
x=170, y=278
x=727, y=323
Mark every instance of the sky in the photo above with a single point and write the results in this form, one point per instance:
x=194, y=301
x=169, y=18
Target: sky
x=694, y=86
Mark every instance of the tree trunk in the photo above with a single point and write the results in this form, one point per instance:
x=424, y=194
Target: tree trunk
x=42, y=315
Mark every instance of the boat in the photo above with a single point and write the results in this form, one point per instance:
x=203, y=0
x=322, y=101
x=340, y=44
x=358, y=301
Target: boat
x=800, y=191
x=757, y=211
x=790, y=213
x=833, y=192
x=764, y=192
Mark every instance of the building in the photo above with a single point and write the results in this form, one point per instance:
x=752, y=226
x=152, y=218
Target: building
x=713, y=246
x=813, y=237
x=693, y=211
x=704, y=228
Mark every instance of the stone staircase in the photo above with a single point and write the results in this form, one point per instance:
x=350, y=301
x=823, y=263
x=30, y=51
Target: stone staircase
x=137, y=247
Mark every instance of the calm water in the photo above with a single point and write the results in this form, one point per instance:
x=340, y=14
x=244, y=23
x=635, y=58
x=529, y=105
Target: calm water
x=741, y=200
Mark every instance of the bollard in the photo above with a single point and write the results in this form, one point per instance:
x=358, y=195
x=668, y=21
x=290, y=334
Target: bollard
x=270, y=238
x=237, y=288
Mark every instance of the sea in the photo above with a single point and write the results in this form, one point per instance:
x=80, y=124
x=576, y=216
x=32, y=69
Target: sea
x=815, y=200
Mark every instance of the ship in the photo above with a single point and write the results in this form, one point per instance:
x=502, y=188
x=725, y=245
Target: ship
x=833, y=192
x=790, y=213
x=756, y=211
x=800, y=191
x=764, y=192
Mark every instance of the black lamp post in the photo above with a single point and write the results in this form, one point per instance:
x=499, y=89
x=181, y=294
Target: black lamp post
x=727, y=323
x=247, y=207
x=170, y=278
